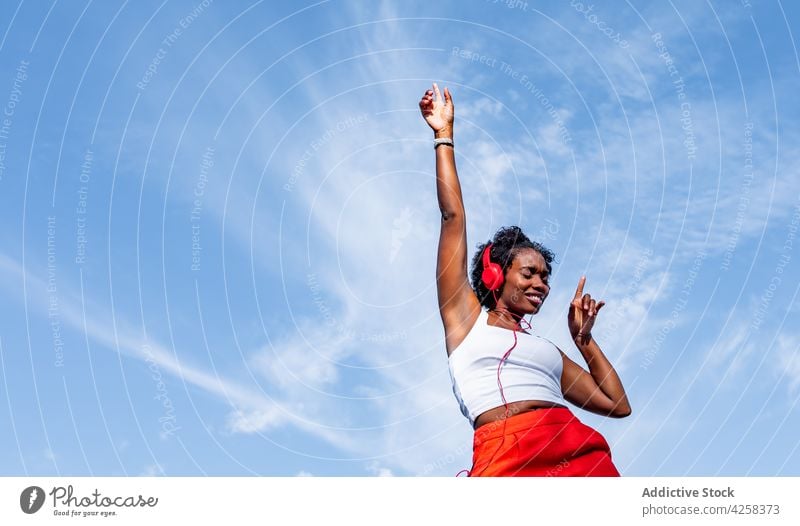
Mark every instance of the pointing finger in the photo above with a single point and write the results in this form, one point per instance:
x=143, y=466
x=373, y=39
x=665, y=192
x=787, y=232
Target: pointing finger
x=581, y=283
x=437, y=92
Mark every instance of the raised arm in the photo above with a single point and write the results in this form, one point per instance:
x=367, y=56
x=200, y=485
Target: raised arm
x=599, y=390
x=458, y=305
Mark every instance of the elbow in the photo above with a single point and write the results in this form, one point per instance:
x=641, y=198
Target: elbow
x=450, y=215
x=621, y=411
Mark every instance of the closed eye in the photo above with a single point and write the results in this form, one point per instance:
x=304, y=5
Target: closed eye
x=528, y=273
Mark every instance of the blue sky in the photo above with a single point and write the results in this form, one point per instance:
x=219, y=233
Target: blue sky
x=219, y=227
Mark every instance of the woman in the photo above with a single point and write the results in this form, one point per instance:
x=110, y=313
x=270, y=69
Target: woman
x=512, y=388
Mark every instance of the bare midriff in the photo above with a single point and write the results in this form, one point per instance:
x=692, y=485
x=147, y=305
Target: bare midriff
x=514, y=408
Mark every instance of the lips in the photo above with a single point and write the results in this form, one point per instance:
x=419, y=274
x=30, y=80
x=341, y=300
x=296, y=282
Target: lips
x=534, y=298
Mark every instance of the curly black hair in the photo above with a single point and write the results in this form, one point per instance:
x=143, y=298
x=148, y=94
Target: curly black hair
x=505, y=245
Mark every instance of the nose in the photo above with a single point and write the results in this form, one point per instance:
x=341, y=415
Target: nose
x=540, y=285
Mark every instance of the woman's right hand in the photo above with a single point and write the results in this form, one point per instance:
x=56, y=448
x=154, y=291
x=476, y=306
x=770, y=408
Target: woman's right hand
x=438, y=111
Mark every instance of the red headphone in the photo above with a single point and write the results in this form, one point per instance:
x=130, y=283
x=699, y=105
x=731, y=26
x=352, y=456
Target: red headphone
x=492, y=275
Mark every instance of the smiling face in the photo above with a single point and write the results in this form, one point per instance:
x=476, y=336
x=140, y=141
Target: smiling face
x=526, y=284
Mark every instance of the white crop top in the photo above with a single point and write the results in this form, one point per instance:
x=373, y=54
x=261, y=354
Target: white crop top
x=531, y=372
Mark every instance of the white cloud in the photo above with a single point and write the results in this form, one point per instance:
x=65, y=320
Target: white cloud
x=152, y=470
x=253, y=410
x=254, y=421
x=376, y=469
x=730, y=351
x=787, y=363
x=480, y=109
x=295, y=359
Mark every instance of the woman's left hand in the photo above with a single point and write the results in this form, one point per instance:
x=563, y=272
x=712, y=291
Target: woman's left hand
x=582, y=314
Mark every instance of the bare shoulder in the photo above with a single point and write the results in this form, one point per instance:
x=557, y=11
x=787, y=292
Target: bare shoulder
x=459, y=318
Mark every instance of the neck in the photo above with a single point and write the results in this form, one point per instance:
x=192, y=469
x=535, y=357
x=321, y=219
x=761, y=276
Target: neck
x=515, y=319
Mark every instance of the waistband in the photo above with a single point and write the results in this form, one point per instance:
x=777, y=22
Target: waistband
x=523, y=421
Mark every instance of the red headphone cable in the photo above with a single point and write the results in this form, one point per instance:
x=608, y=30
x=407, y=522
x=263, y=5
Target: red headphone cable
x=500, y=384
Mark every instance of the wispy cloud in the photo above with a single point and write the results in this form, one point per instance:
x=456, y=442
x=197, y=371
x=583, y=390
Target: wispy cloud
x=253, y=410
x=788, y=362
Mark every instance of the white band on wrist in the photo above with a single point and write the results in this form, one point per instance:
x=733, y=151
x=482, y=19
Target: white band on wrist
x=442, y=140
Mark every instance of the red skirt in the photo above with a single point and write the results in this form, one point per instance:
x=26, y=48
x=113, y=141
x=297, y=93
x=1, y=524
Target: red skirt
x=549, y=442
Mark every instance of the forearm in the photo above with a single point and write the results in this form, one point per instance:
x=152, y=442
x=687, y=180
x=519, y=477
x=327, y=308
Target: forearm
x=448, y=187
x=604, y=374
